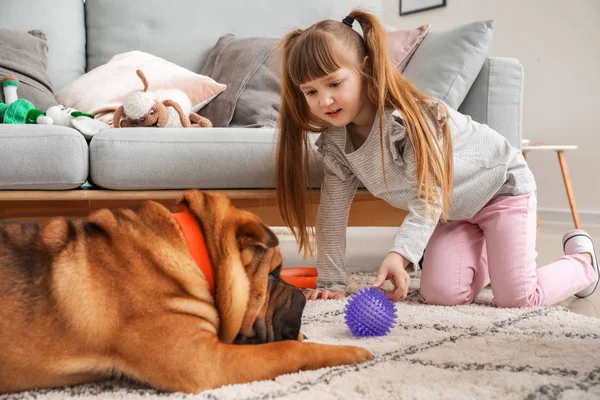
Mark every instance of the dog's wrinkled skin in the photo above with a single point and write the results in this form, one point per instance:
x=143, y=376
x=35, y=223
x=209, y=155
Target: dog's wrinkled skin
x=119, y=294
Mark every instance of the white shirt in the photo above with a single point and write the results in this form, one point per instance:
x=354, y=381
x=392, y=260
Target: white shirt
x=485, y=166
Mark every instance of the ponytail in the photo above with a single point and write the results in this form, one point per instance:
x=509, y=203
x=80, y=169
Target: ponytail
x=387, y=87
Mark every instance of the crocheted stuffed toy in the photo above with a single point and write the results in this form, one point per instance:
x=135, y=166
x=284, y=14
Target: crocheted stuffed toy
x=165, y=108
x=69, y=117
x=64, y=116
x=19, y=111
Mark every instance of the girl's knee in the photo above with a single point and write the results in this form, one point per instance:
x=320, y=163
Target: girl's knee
x=516, y=296
x=514, y=302
x=444, y=295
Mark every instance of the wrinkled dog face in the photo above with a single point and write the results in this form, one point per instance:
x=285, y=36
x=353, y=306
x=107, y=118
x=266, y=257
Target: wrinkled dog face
x=262, y=308
x=275, y=313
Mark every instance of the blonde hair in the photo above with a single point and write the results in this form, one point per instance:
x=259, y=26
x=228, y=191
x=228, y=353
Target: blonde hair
x=320, y=50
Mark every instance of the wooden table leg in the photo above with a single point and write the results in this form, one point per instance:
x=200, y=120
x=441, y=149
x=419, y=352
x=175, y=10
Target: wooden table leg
x=565, y=172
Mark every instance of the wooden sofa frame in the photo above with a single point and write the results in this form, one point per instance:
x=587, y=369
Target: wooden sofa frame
x=29, y=206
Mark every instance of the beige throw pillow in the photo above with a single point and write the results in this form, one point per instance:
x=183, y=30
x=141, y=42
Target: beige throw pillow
x=102, y=90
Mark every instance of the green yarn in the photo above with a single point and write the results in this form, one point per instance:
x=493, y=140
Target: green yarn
x=32, y=116
x=10, y=83
x=76, y=114
x=17, y=112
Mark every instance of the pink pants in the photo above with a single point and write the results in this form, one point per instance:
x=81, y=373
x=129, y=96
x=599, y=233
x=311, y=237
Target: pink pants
x=497, y=246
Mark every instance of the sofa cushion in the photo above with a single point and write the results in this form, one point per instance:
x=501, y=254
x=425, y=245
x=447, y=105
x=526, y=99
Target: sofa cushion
x=252, y=71
x=447, y=62
x=102, y=90
x=62, y=22
x=176, y=158
x=496, y=98
x=52, y=158
x=25, y=55
x=186, y=31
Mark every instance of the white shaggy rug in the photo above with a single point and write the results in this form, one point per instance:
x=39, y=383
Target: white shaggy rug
x=465, y=352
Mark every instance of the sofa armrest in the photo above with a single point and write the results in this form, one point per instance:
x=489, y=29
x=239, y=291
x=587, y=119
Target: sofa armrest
x=496, y=98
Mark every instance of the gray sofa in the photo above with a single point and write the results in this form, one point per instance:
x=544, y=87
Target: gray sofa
x=83, y=35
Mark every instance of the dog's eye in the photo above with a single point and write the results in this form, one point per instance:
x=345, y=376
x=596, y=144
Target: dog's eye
x=151, y=112
x=142, y=119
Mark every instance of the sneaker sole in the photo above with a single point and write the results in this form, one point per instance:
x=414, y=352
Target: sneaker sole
x=595, y=261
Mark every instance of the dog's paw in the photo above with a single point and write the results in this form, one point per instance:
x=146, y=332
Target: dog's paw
x=332, y=356
x=355, y=355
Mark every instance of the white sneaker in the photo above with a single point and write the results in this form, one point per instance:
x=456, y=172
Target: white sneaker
x=578, y=241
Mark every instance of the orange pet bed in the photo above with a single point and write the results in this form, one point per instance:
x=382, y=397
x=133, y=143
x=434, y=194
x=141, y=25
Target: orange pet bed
x=301, y=277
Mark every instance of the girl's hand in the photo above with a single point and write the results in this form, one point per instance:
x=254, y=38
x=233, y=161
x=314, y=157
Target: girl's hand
x=393, y=268
x=314, y=294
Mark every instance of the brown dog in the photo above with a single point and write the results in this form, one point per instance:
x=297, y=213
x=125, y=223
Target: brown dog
x=120, y=293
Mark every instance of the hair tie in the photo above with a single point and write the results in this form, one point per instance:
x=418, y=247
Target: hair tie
x=348, y=21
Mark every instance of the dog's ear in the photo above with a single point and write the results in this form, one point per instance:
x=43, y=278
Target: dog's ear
x=202, y=205
x=216, y=216
x=255, y=233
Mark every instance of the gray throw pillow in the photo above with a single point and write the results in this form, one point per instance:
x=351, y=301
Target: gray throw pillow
x=252, y=72
x=446, y=63
x=25, y=55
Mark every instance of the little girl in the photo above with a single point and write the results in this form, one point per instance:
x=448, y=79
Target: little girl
x=470, y=196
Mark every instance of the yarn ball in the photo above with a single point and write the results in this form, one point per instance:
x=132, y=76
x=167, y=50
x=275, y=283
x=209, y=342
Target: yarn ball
x=369, y=312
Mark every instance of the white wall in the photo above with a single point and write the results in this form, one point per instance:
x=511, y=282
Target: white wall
x=558, y=43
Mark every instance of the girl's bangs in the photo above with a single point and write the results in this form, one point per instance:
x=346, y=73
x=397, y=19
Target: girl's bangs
x=313, y=57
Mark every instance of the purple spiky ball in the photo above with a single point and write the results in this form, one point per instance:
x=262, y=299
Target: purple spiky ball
x=370, y=312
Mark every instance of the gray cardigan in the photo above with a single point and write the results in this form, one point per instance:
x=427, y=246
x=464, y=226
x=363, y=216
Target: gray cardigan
x=485, y=166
